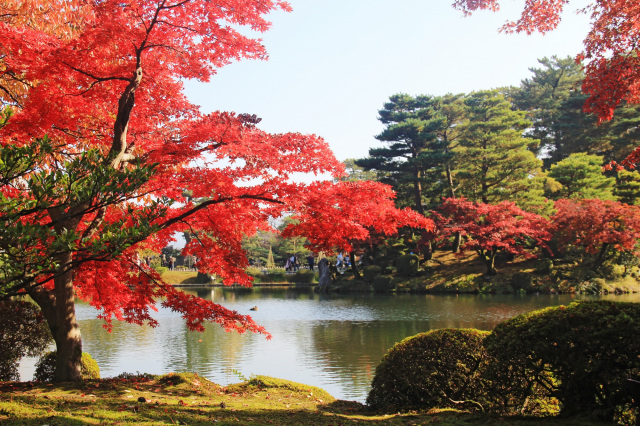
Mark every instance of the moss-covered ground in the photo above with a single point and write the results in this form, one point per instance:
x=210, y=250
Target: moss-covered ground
x=187, y=399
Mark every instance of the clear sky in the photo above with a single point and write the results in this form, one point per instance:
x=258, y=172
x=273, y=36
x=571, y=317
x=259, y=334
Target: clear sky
x=333, y=64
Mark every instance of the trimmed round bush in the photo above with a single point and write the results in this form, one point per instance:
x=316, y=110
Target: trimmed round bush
x=407, y=265
x=439, y=368
x=46, y=367
x=370, y=272
x=583, y=353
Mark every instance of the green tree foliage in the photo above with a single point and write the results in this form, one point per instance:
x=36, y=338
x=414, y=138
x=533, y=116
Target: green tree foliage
x=261, y=243
x=494, y=161
x=444, y=116
x=554, y=101
x=258, y=247
x=421, y=134
x=583, y=354
x=399, y=163
x=23, y=332
x=356, y=172
x=581, y=177
x=627, y=188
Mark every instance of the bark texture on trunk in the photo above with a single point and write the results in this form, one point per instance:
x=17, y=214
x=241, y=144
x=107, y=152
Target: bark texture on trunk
x=58, y=304
x=67, y=333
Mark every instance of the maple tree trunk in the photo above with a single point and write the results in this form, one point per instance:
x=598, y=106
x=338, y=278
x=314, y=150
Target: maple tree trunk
x=58, y=307
x=67, y=332
x=599, y=260
x=457, y=241
x=490, y=260
x=428, y=251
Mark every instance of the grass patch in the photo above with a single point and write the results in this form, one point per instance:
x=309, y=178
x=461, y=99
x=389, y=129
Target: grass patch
x=180, y=277
x=188, y=399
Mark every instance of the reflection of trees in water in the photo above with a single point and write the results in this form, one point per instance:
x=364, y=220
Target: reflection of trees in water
x=353, y=350
x=343, y=335
x=129, y=347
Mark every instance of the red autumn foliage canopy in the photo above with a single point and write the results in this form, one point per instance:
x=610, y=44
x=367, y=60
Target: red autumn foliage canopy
x=597, y=226
x=129, y=161
x=334, y=216
x=491, y=228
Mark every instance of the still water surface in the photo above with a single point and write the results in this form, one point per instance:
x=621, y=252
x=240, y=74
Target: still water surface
x=331, y=341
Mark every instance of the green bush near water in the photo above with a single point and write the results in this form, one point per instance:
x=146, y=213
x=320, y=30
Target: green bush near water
x=439, y=368
x=303, y=276
x=23, y=332
x=370, y=272
x=583, y=353
x=46, y=367
x=569, y=360
x=383, y=283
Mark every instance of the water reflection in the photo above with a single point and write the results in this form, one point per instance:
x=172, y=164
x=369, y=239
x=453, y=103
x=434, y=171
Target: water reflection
x=331, y=341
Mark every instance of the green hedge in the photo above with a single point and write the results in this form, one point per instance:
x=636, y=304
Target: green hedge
x=576, y=359
x=583, y=353
x=439, y=368
x=303, y=276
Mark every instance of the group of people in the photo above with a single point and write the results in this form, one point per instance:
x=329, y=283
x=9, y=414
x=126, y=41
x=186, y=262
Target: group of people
x=343, y=261
x=293, y=264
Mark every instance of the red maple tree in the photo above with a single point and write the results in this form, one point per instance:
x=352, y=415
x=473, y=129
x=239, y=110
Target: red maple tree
x=343, y=216
x=599, y=227
x=611, y=48
x=492, y=228
x=103, y=156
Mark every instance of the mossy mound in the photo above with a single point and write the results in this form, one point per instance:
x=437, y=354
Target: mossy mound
x=266, y=382
x=188, y=382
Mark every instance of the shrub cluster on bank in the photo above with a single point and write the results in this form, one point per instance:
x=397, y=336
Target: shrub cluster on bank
x=302, y=276
x=582, y=358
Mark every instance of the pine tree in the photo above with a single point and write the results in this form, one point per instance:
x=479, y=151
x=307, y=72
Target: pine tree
x=582, y=177
x=494, y=161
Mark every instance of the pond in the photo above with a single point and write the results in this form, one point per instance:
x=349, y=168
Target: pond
x=332, y=341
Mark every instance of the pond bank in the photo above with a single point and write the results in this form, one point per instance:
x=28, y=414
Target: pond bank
x=449, y=274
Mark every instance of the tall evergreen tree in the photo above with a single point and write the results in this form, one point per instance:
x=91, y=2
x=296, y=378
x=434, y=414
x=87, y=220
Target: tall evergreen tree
x=444, y=118
x=418, y=160
x=554, y=102
x=399, y=163
x=495, y=163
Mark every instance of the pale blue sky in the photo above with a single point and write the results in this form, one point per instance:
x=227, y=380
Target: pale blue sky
x=333, y=63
